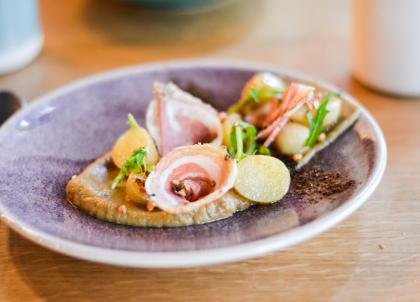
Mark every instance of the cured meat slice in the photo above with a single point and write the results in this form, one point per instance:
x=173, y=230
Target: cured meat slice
x=175, y=118
x=191, y=176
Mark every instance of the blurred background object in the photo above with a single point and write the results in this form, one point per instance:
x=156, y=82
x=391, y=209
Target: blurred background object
x=9, y=104
x=179, y=5
x=21, y=38
x=386, y=45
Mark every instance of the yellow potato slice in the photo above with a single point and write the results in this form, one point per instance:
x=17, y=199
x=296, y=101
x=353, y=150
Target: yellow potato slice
x=227, y=125
x=262, y=179
x=130, y=141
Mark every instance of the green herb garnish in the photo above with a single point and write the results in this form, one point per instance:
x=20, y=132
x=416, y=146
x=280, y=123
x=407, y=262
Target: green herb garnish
x=264, y=150
x=243, y=142
x=132, y=121
x=315, y=123
x=136, y=163
x=269, y=93
x=254, y=95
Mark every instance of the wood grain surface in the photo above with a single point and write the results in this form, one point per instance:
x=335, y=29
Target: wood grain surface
x=372, y=256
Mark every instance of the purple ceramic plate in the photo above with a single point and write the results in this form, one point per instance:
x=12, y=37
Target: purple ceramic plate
x=58, y=135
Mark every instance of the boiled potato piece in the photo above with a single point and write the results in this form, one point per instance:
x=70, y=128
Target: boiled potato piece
x=262, y=86
x=267, y=85
x=291, y=140
x=300, y=116
x=134, y=189
x=262, y=179
x=131, y=140
x=334, y=112
x=227, y=125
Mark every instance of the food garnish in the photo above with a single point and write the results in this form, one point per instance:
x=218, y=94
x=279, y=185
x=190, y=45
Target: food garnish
x=132, y=121
x=301, y=104
x=243, y=141
x=227, y=125
x=295, y=97
x=135, y=164
x=260, y=90
x=316, y=124
x=133, y=139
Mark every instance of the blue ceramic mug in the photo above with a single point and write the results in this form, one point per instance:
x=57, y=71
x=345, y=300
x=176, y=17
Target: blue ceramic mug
x=21, y=37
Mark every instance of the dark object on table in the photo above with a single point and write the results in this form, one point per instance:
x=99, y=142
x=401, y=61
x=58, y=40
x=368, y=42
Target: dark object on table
x=9, y=104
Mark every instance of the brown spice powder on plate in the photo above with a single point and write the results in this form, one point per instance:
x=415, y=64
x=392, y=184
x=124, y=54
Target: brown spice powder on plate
x=314, y=182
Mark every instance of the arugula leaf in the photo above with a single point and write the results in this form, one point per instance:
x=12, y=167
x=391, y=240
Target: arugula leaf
x=315, y=123
x=136, y=163
x=243, y=140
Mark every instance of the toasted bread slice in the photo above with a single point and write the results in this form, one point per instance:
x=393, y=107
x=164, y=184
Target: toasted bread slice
x=350, y=113
x=91, y=192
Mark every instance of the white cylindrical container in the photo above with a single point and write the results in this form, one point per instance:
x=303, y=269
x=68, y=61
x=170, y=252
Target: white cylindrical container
x=21, y=37
x=386, y=45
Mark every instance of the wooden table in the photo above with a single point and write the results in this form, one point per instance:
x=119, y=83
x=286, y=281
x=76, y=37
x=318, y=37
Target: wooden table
x=372, y=256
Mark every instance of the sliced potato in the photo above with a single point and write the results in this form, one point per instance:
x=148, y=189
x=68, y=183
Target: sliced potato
x=134, y=189
x=131, y=140
x=334, y=112
x=262, y=179
x=291, y=140
x=227, y=125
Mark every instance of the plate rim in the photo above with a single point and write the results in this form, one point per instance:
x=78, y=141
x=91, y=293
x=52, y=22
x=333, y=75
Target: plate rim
x=195, y=258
